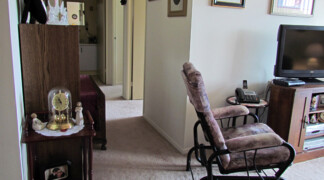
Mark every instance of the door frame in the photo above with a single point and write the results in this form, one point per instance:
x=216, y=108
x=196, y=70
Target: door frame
x=128, y=50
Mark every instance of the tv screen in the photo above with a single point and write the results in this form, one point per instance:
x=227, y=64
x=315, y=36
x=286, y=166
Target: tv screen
x=300, y=52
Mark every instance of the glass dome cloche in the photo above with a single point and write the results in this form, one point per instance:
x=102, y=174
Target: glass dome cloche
x=60, y=109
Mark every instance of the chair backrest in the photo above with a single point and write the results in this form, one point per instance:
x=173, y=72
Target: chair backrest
x=198, y=98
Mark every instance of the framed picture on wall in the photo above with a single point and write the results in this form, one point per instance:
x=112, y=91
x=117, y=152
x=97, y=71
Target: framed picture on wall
x=177, y=8
x=292, y=8
x=229, y=3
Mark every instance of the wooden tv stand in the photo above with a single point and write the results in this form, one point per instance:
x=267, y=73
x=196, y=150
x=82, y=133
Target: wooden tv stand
x=289, y=114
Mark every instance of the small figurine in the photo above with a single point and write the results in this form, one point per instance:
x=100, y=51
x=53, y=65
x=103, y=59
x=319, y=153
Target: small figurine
x=314, y=103
x=79, y=115
x=313, y=119
x=37, y=124
x=57, y=14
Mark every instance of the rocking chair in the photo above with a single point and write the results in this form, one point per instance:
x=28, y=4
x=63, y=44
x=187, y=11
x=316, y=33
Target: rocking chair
x=248, y=147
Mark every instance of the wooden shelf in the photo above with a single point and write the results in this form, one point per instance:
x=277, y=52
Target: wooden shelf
x=310, y=154
x=316, y=130
x=314, y=136
x=318, y=110
x=30, y=136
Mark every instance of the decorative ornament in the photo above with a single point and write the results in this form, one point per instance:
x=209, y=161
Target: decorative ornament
x=313, y=119
x=57, y=14
x=314, y=103
x=79, y=116
x=37, y=124
x=321, y=117
x=60, y=107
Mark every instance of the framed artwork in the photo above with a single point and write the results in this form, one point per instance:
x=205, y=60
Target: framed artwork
x=293, y=7
x=177, y=8
x=229, y=3
x=57, y=172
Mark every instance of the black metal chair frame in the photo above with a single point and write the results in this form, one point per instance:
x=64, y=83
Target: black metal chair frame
x=200, y=153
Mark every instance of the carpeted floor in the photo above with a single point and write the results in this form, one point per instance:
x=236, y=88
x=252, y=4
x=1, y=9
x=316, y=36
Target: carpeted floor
x=136, y=151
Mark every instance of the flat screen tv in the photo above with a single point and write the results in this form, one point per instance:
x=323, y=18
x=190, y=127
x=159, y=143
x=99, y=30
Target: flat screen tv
x=300, y=52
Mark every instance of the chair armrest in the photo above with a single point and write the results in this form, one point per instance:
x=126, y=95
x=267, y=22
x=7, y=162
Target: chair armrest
x=252, y=142
x=230, y=111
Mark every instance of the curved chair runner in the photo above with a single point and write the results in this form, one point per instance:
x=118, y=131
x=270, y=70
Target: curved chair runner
x=248, y=147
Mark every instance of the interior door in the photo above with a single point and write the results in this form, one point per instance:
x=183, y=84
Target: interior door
x=138, y=49
x=101, y=46
x=118, y=42
x=134, y=54
x=114, y=42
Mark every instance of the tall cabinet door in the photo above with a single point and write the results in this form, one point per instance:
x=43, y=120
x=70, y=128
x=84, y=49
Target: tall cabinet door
x=288, y=110
x=299, y=118
x=49, y=58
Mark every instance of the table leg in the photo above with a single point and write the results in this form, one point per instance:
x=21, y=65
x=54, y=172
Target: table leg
x=257, y=111
x=85, y=167
x=31, y=159
x=90, y=157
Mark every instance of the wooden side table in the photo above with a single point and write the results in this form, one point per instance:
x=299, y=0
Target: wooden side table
x=263, y=104
x=45, y=151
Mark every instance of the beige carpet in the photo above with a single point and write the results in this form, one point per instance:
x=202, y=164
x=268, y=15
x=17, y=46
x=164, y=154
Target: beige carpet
x=136, y=151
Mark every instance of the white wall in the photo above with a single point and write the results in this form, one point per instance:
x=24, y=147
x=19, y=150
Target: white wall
x=167, y=48
x=229, y=45
x=11, y=104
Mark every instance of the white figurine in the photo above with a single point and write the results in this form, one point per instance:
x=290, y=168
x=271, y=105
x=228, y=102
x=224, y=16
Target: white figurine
x=79, y=115
x=63, y=15
x=57, y=14
x=37, y=124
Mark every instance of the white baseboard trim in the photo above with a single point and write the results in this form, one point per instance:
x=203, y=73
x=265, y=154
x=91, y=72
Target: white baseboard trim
x=167, y=137
x=186, y=150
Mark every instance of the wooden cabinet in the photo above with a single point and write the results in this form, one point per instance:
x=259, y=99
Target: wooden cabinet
x=45, y=152
x=289, y=115
x=50, y=58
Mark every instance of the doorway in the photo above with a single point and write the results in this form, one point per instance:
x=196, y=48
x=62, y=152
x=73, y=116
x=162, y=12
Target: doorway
x=121, y=52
